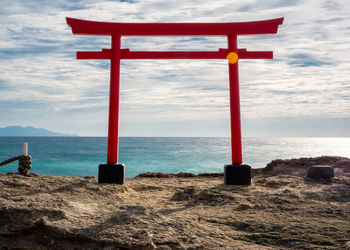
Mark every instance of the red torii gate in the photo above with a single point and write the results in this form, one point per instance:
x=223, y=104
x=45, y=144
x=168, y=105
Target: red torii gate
x=112, y=172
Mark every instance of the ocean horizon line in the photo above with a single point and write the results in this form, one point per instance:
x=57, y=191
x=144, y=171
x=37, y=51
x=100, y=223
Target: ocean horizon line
x=160, y=136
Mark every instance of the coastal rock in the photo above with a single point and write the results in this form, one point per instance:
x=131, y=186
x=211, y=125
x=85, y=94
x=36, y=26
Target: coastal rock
x=300, y=166
x=279, y=210
x=320, y=172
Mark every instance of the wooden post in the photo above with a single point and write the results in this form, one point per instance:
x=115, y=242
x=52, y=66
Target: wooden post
x=235, y=115
x=113, y=124
x=25, y=148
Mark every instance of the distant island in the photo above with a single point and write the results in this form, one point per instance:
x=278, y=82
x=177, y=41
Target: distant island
x=28, y=131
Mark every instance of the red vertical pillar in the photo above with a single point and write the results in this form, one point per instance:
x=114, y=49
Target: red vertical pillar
x=113, y=124
x=235, y=118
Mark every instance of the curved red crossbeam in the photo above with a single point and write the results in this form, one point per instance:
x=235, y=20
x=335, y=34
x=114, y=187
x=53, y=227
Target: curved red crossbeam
x=84, y=27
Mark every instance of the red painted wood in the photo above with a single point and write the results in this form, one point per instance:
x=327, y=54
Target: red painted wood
x=94, y=54
x=113, y=121
x=220, y=54
x=116, y=30
x=244, y=54
x=84, y=27
x=235, y=114
x=126, y=54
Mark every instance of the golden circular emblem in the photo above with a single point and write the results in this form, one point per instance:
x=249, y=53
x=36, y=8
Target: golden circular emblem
x=232, y=57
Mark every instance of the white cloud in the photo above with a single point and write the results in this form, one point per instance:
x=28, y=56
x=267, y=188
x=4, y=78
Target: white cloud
x=309, y=76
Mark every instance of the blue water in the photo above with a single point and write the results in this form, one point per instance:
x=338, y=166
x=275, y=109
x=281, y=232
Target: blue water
x=80, y=156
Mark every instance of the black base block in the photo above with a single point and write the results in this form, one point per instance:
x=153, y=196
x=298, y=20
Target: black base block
x=111, y=173
x=237, y=174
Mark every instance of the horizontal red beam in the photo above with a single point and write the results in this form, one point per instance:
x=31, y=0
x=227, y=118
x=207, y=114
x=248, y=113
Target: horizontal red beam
x=220, y=54
x=127, y=54
x=104, y=54
x=84, y=27
x=244, y=54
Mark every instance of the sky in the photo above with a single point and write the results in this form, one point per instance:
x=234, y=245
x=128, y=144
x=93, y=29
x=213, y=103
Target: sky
x=303, y=91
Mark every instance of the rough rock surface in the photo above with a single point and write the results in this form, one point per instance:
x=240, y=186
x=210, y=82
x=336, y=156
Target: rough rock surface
x=280, y=210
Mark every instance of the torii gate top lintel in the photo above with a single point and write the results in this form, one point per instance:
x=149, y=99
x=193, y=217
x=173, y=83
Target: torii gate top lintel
x=84, y=27
x=231, y=30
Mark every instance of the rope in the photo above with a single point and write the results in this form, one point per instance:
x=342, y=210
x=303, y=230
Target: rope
x=24, y=163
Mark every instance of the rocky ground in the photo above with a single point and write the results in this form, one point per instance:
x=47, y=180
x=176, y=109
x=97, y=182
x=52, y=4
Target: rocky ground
x=280, y=210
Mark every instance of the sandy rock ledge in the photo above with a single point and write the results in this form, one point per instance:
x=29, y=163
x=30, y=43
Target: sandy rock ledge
x=280, y=210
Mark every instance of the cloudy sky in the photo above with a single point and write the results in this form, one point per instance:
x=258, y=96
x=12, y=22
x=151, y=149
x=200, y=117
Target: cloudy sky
x=304, y=91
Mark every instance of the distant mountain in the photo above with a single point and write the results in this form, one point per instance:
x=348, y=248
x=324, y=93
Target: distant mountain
x=28, y=131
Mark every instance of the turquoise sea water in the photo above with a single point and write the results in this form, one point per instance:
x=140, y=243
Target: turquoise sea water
x=80, y=156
